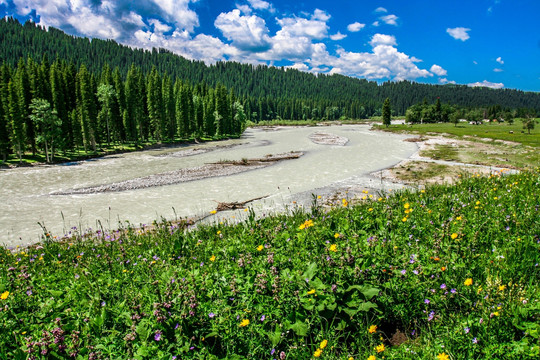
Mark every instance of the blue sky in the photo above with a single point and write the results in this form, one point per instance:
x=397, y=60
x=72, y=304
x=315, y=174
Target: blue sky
x=494, y=43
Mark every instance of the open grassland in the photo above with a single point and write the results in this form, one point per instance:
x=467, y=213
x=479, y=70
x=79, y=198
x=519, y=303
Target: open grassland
x=484, y=132
x=449, y=272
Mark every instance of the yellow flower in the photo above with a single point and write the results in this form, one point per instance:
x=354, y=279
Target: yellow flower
x=213, y=212
x=372, y=329
x=323, y=344
x=306, y=224
x=260, y=247
x=219, y=232
x=213, y=258
x=345, y=202
x=454, y=236
x=336, y=235
x=317, y=353
x=333, y=248
x=443, y=356
x=502, y=287
x=458, y=218
x=4, y=295
x=371, y=357
x=468, y=282
x=310, y=292
x=244, y=323
x=404, y=219
x=370, y=209
x=496, y=313
x=407, y=205
x=380, y=348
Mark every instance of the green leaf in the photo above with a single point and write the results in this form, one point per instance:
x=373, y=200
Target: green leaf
x=56, y=293
x=300, y=328
x=310, y=272
x=274, y=337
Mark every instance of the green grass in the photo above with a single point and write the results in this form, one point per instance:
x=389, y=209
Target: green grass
x=493, y=131
x=103, y=149
x=450, y=270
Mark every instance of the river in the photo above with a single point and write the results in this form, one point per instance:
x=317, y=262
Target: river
x=28, y=197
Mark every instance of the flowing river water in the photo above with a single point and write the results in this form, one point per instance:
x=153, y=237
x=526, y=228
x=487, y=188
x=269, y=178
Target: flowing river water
x=28, y=196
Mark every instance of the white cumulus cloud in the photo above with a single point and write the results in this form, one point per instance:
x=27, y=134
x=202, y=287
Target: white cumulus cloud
x=390, y=19
x=500, y=60
x=459, y=33
x=355, y=26
x=381, y=9
x=338, y=36
x=488, y=84
x=437, y=70
x=261, y=5
x=443, y=81
x=245, y=32
x=382, y=39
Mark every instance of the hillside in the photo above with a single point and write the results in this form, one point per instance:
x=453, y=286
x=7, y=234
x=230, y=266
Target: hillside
x=272, y=92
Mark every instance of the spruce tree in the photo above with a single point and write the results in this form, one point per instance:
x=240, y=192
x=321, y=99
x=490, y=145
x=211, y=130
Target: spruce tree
x=387, y=112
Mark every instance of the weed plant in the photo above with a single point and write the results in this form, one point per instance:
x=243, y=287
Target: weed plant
x=450, y=272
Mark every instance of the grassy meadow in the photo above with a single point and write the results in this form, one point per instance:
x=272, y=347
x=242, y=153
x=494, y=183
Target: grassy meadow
x=449, y=272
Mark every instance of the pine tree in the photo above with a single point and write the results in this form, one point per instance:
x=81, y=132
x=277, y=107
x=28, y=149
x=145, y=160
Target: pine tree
x=387, y=112
x=17, y=122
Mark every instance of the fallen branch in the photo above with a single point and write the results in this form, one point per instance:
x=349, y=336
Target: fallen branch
x=224, y=206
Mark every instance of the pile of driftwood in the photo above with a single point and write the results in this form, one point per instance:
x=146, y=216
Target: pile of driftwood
x=257, y=161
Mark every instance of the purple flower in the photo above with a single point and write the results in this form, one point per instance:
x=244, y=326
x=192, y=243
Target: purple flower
x=103, y=303
x=272, y=352
x=431, y=316
x=415, y=272
x=29, y=292
x=467, y=329
x=211, y=315
x=263, y=317
x=426, y=301
x=282, y=355
x=453, y=291
x=157, y=336
x=481, y=321
x=176, y=326
x=443, y=286
x=475, y=341
x=403, y=272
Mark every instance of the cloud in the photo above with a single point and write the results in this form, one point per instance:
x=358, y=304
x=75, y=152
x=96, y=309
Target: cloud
x=381, y=39
x=500, y=60
x=375, y=23
x=498, y=70
x=245, y=32
x=261, y=5
x=355, y=27
x=314, y=28
x=488, y=84
x=385, y=61
x=338, y=36
x=390, y=19
x=459, y=33
x=381, y=10
x=443, y=81
x=437, y=70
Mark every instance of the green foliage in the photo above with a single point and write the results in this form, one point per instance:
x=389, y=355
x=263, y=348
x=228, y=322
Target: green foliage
x=386, y=113
x=450, y=269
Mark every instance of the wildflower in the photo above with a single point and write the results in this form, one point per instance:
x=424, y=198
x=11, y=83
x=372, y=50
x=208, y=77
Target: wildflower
x=323, y=344
x=380, y=348
x=467, y=329
x=468, y=282
x=260, y=247
x=458, y=218
x=157, y=336
x=345, y=202
x=317, y=353
x=245, y=322
x=371, y=357
x=310, y=292
x=454, y=236
x=213, y=212
x=306, y=224
x=407, y=205
x=502, y=287
x=426, y=301
x=219, y=232
x=403, y=272
x=336, y=235
x=404, y=219
x=443, y=268
x=443, y=356
x=263, y=317
x=211, y=315
x=372, y=329
x=213, y=258
x=333, y=248
x=443, y=286
x=475, y=341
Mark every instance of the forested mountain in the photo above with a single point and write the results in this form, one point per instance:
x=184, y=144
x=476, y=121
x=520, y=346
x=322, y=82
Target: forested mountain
x=270, y=92
x=60, y=92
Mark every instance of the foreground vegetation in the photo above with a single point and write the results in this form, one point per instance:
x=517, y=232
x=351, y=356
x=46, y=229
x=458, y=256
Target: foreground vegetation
x=450, y=272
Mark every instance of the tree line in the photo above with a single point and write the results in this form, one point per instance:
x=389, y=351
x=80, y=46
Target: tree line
x=47, y=107
x=271, y=92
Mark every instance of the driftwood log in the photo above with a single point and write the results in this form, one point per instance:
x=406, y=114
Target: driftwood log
x=224, y=206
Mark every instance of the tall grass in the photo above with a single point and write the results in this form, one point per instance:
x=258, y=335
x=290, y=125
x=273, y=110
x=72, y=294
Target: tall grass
x=447, y=272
